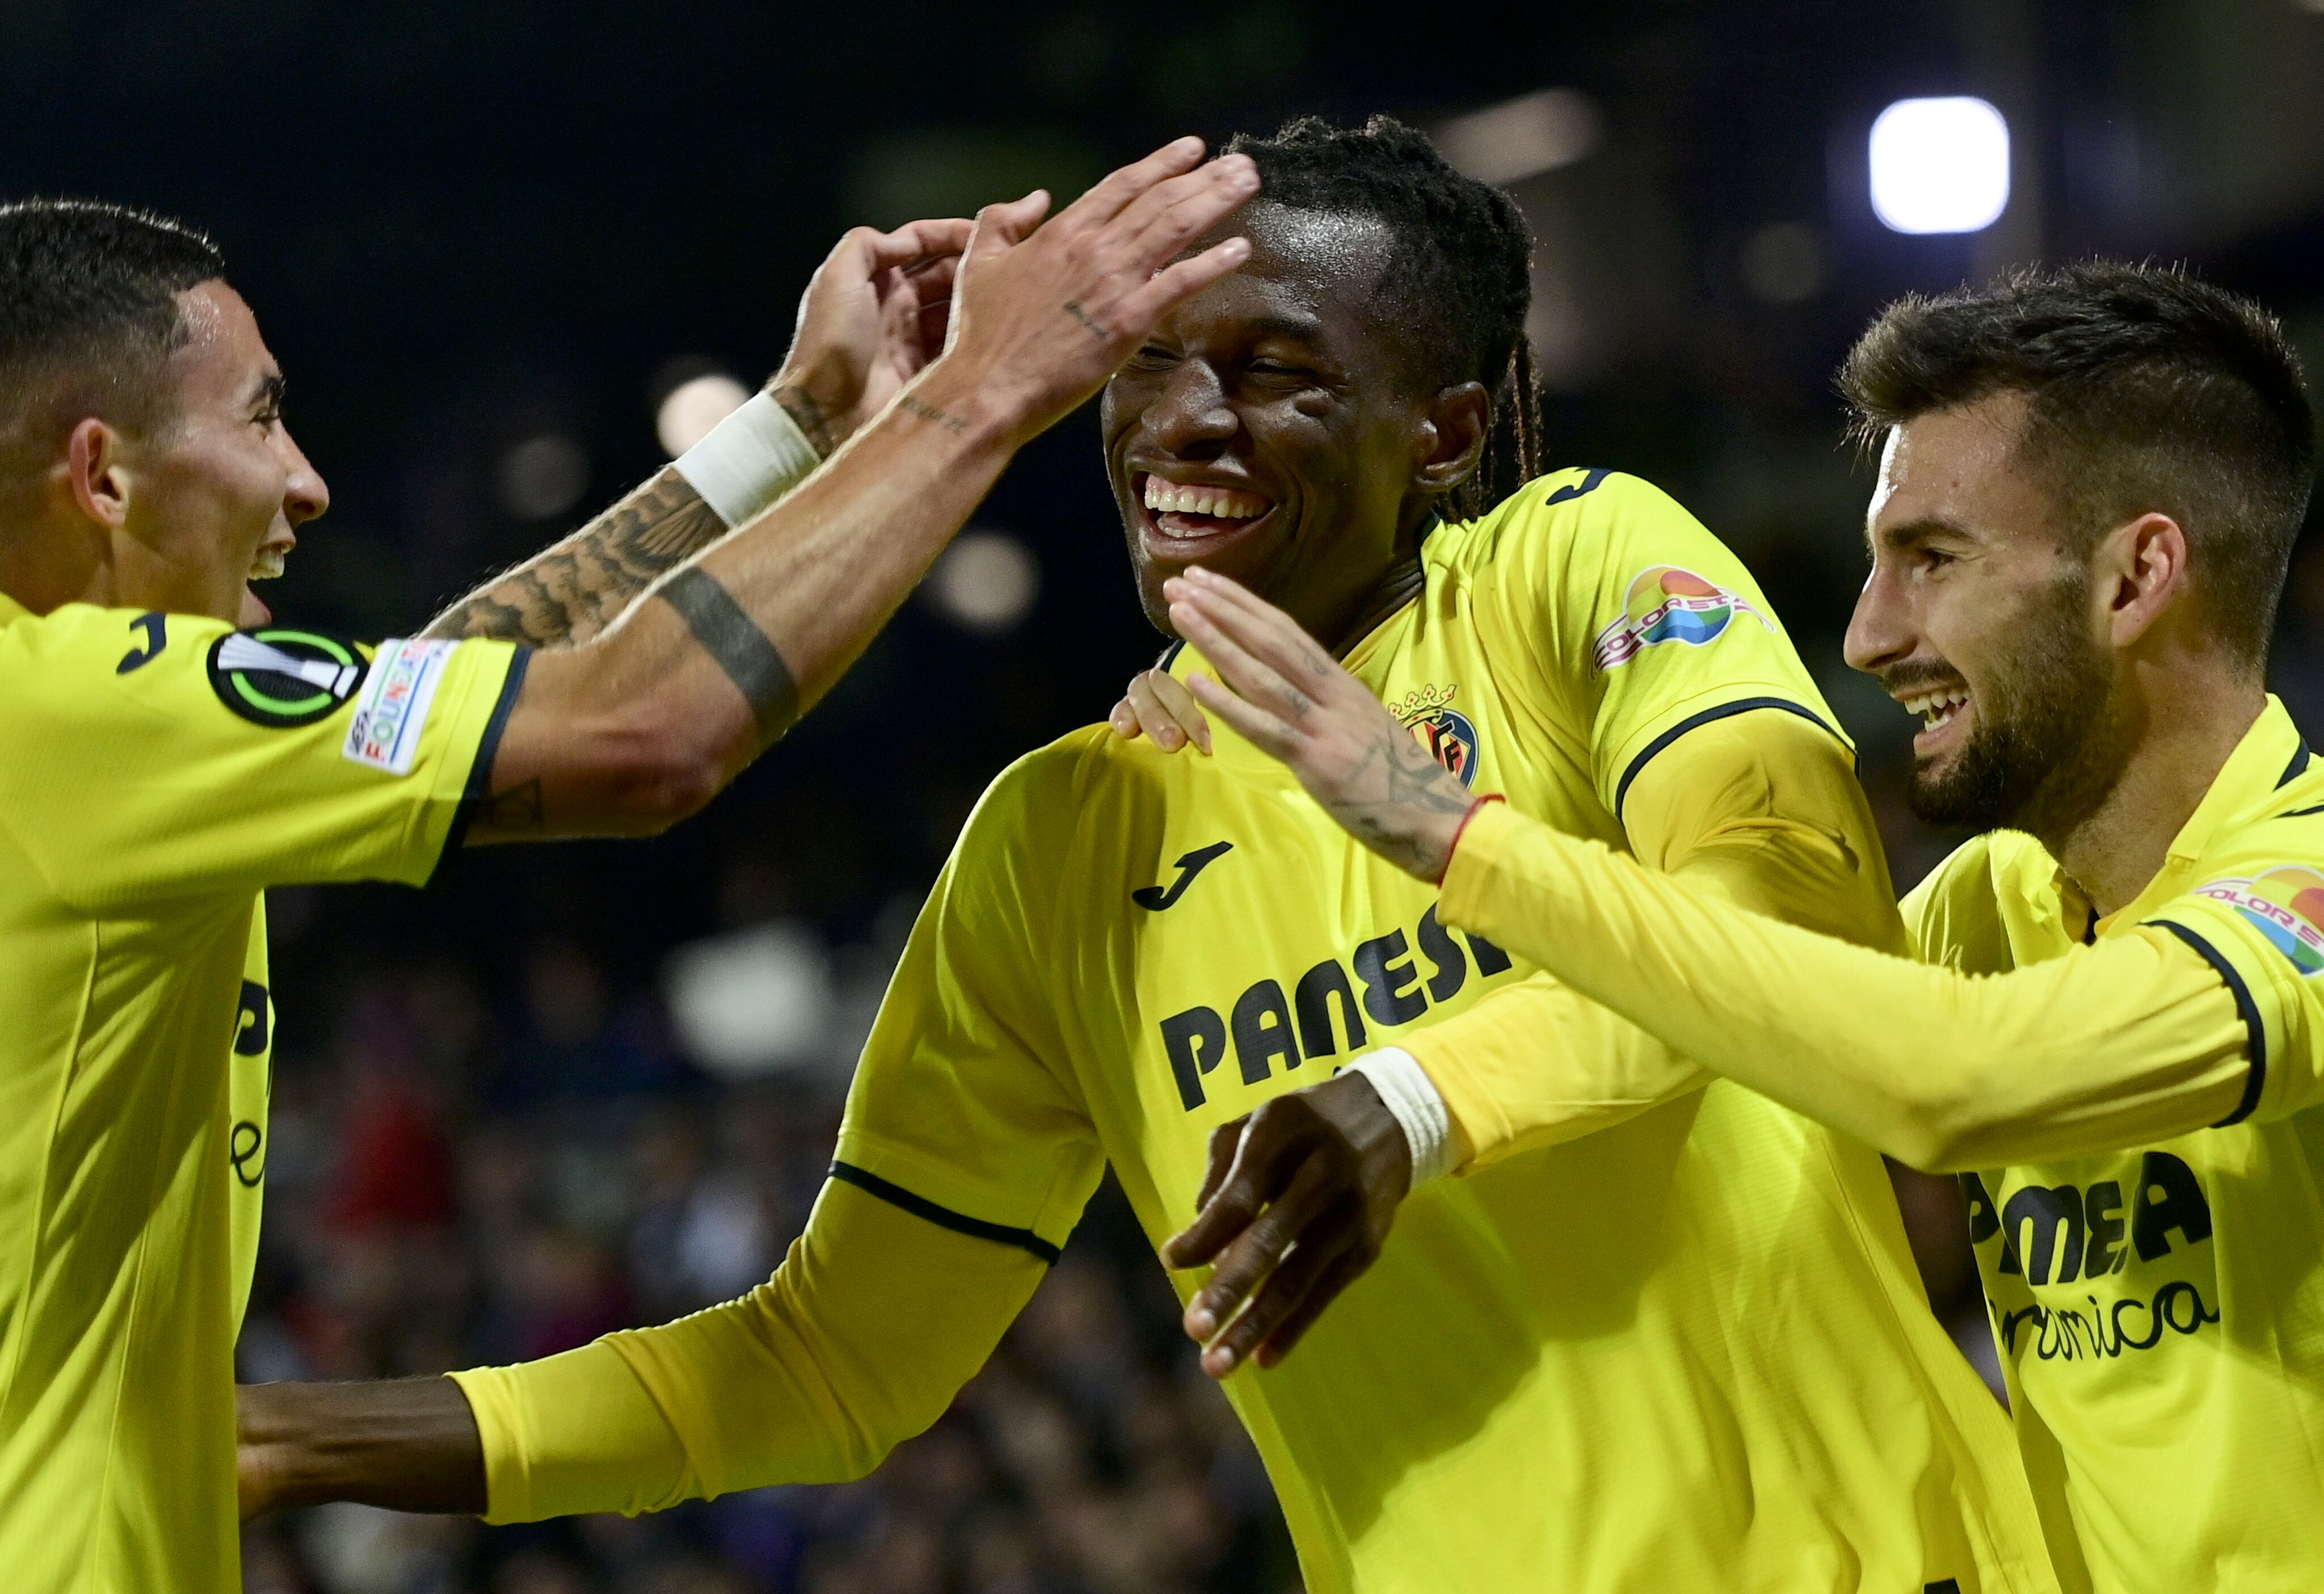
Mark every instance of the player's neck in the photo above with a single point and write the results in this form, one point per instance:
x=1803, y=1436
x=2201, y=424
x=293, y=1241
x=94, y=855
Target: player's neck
x=1360, y=615
x=45, y=568
x=2185, y=724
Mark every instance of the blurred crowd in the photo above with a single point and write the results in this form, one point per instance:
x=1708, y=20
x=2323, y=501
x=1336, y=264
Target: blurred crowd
x=450, y=1184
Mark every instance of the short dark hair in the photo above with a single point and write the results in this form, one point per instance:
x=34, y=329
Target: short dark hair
x=2148, y=390
x=88, y=312
x=1460, y=271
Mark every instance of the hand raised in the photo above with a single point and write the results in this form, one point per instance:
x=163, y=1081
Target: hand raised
x=1044, y=313
x=1292, y=698
x=871, y=319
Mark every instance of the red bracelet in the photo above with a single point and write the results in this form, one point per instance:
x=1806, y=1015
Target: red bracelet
x=1462, y=829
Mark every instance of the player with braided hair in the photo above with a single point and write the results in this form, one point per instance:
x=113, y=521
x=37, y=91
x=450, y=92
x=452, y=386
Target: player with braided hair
x=1462, y=270
x=1689, y=1352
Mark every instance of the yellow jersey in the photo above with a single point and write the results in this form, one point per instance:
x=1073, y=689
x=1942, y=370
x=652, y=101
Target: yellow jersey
x=2158, y=1308
x=1686, y=1352
x=2136, y=1099
x=160, y=771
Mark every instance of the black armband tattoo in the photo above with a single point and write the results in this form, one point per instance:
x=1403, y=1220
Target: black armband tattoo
x=733, y=639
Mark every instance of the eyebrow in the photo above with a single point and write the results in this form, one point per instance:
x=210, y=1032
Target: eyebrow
x=1914, y=532
x=1298, y=328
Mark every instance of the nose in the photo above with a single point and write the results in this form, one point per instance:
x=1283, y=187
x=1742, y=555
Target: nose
x=1190, y=417
x=304, y=494
x=1880, y=632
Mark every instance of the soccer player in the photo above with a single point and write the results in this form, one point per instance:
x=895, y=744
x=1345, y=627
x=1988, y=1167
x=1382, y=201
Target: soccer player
x=1691, y=1353
x=163, y=766
x=2089, y=485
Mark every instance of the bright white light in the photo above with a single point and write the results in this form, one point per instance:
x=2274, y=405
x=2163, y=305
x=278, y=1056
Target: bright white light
x=986, y=581
x=694, y=406
x=1940, y=165
x=1522, y=137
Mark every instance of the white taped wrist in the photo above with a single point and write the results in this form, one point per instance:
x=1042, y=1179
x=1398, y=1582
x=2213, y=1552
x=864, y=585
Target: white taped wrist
x=1413, y=1100
x=749, y=460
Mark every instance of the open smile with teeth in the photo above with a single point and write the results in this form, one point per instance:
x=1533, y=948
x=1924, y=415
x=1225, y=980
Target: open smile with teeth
x=1937, y=709
x=1184, y=510
x=267, y=563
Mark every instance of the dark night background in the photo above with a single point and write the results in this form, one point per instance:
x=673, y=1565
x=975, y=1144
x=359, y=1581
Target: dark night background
x=468, y=226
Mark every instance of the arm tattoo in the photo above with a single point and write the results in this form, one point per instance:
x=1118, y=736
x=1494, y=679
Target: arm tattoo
x=517, y=811
x=733, y=639
x=929, y=412
x=1389, y=807
x=810, y=416
x=566, y=596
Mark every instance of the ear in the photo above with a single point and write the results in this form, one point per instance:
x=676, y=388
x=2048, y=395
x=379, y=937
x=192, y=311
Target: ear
x=1451, y=437
x=2139, y=572
x=94, y=473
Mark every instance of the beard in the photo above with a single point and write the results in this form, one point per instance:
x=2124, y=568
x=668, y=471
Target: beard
x=2049, y=741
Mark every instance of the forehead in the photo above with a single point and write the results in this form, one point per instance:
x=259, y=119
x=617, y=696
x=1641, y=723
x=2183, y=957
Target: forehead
x=222, y=359
x=1309, y=270
x=1960, y=467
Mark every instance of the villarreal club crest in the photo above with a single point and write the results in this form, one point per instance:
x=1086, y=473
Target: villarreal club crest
x=1448, y=734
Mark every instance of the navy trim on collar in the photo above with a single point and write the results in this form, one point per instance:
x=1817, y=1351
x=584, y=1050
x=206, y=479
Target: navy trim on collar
x=2296, y=768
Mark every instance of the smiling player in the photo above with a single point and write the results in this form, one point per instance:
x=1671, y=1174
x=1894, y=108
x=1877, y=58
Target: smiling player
x=162, y=767
x=1689, y=1353
x=2089, y=487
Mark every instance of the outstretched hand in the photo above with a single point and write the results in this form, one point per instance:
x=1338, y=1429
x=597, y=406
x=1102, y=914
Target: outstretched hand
x=1293, y=699
x=1044, y=313
x=874, y=316
x=1297, y=1202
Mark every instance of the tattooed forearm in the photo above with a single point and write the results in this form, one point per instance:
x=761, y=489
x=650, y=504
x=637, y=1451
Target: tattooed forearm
x=929, y=412
x=517, y=811
x=733, y=639
x=1402, y=804
x=812, y=419
x=566, y=596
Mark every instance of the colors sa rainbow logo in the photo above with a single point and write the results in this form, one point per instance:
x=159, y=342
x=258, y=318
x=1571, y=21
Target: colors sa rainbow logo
x=1448, y=734
x=1668, y=605
x=2286, y=905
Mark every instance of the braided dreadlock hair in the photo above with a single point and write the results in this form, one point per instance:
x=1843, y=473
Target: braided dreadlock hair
x=1459, y=276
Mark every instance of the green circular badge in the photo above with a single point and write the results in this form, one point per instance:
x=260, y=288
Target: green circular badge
x=281, y=676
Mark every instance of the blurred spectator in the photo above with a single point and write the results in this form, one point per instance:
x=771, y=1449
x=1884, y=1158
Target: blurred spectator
x=596, y=1181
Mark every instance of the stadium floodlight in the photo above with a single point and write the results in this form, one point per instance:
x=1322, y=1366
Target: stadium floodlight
x=1940, y=165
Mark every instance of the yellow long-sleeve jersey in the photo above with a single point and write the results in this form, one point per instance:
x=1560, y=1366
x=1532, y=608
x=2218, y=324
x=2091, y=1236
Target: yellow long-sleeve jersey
x=1690, y=1352
x=2137, y=1097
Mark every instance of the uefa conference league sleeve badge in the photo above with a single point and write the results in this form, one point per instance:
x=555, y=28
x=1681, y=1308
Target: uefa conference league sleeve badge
x=281, y=676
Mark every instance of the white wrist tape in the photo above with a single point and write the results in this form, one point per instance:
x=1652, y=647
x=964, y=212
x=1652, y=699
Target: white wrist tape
x=1412, y=1099
x=749, y=460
